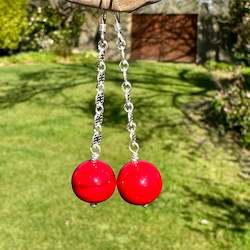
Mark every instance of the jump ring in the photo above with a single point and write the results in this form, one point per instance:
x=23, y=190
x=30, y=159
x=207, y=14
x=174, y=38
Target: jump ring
x=129, y=107
x=124, y=65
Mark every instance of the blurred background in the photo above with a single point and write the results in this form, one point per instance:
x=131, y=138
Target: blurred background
x=191, y=89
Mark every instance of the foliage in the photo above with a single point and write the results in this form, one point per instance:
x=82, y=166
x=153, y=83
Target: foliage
x=214, y=65
x=13, y=23
x=52, y=27
x=240, y=23
x=231, y=108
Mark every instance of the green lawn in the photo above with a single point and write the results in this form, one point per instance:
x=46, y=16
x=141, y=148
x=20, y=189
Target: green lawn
x=45, y=131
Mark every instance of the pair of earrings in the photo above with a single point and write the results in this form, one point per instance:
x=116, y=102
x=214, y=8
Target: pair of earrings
x=139, y=182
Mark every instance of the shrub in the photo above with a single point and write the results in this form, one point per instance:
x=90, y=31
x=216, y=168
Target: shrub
x=240, y=23
x=13, y=23
x=214, y=65
x=52, y=27
x=231, y=108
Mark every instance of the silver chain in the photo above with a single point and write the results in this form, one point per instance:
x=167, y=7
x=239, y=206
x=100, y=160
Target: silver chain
x=99, y=99
x=127, y=88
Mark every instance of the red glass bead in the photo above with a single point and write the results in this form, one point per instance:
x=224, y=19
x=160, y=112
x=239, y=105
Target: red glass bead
x=139, y=183
x=93, y=181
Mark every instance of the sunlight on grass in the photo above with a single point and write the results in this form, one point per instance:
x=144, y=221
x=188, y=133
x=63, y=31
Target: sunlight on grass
x=45, y=130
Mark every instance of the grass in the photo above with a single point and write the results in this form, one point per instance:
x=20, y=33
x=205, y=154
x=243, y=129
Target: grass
x=45, y=130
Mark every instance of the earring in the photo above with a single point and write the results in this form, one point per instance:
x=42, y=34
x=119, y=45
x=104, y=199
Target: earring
x=139, y=182
x=94, y=181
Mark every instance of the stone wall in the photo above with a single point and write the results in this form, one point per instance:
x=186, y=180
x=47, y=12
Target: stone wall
x=218, y=7
x=213, y=41
x=171, y=7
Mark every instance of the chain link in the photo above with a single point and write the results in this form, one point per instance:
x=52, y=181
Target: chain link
x=99, y=99
x=127, y=88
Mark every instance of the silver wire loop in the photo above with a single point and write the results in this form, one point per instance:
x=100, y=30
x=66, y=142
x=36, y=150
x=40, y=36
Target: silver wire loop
x=99, y=99
x=127, y=87
x=128, y=107
x=102, y=45
x=124, y=65
x=134, y=149
x=131, y=126
x=95, y=150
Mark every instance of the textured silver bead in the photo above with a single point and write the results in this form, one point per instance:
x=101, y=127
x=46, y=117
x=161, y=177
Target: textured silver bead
x=99, y=99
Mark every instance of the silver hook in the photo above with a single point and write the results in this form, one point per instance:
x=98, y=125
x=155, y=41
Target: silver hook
x=104, y=16
x=117, y=17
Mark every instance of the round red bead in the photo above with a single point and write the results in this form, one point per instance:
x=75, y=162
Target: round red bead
x=93, y=181
x=139, y=183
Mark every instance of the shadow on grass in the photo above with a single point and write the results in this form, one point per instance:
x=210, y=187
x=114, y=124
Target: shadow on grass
x=162, y=88
x=224, y=210
x=32, y=84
